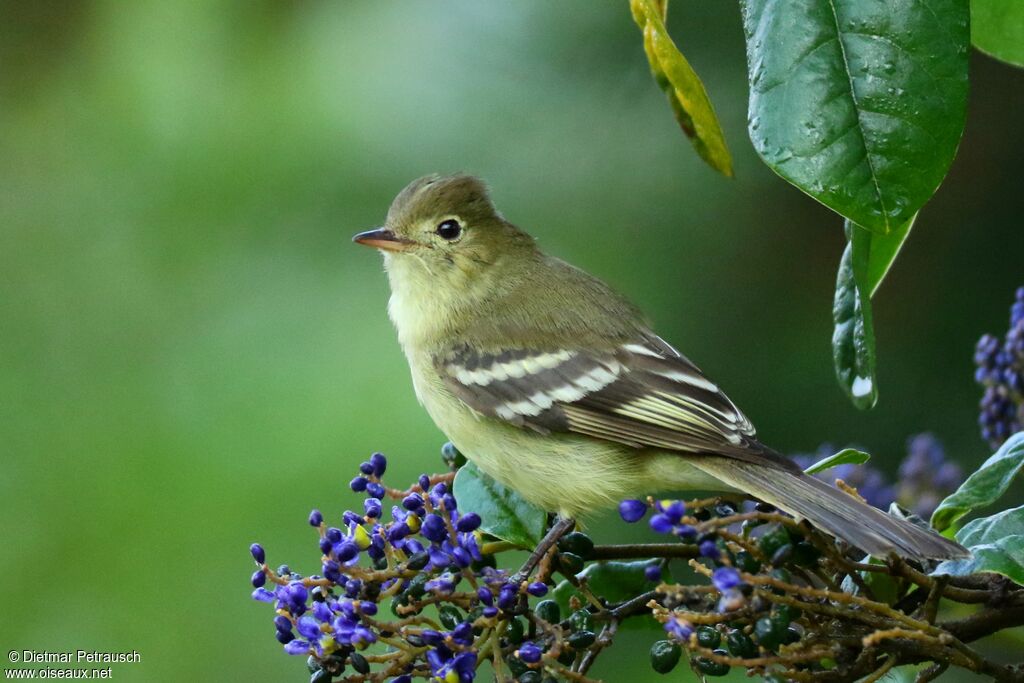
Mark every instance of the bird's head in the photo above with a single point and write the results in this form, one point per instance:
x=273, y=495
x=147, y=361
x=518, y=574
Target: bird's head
x=448, y=226
x=446, y=249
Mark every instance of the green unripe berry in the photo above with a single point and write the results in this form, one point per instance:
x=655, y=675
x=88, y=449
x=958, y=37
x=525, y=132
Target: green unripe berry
x=805, y=555
x=770, y=543
x=769, y=632
x=549, y=611
x=580, y=640
x=709, y=667
x=786, y=613
x=449, y=616
x=746, y=562
x=359, y=663
x=570, y=564
x=530, y=677
x=580, y=620
x=665, y=655
x=577, y=543
x=782, y=555
x=514, y=631
x=740, y=644
x=417, y=587
x=709, y=637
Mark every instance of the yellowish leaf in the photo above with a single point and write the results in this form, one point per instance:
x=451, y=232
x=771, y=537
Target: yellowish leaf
x=685, y=91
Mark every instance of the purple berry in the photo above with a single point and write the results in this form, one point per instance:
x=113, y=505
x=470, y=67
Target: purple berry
x=709, y=549
x=378, y=463
x=725, y=578
x=529, y=653
x=258, y=553
x=661, y=523
x=468, y=522
x=632, y=510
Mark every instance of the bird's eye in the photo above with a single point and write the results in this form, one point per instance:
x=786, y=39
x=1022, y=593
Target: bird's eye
x=449, y=229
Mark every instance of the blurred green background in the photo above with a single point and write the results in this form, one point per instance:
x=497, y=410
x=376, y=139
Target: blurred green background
x=193, y=354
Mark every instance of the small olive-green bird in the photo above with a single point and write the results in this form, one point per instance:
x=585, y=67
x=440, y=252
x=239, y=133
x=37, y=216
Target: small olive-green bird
x=556, y=386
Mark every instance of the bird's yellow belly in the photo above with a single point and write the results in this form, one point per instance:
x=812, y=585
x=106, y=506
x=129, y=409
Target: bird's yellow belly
x=569, y=474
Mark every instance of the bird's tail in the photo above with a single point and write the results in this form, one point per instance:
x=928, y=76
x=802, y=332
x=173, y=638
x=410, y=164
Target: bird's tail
x=832, y=510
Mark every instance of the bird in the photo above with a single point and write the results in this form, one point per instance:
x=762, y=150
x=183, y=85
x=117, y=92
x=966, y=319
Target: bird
x=556, y=386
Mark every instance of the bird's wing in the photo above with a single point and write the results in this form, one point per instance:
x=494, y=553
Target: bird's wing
x=643, y=394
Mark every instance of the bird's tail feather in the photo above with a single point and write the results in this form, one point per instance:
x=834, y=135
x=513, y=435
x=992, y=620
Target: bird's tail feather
x=832, y=510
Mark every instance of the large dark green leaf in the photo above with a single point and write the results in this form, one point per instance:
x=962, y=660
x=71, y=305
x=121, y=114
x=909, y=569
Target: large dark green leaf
x=997, y=28
x=505, y=513
x=984, y=486
x=685, y=91
x=853, y=335
x=996, y=544
x=882, y=252
x=859, y=103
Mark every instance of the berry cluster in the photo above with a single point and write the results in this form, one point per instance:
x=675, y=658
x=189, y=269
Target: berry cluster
x=427, y=554
x=744, y=626
x=1001, y=371
x=419, y=594
x=926, y=476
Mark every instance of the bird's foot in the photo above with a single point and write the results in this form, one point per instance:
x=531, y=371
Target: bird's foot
x=560, y=528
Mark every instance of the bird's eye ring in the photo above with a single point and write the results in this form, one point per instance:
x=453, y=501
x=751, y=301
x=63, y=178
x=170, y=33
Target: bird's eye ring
x=449, y=229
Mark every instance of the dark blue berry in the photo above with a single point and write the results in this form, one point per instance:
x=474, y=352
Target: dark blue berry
x=433, y=528
x=632, y=510
x=258, y=553
x=529, y=653
x=468, y=522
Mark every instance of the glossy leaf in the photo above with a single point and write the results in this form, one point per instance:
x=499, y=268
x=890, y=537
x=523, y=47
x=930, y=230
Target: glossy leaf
x=847, y=456
x=859, y=103
x=505, y=513
x=853, y=336
x=882, y=252
x=685, y=91
x=984, y=486
x=996, y=544
x=997, y=29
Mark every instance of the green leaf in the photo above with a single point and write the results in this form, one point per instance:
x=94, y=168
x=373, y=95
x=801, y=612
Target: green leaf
x=984, y=486
x=997, y=29
x=882, y=252
x=684, y=89
x=996, y=544
x=505, y=513
x=847, y=456
x=859, y=103
x=613, y=580
x=853, y=335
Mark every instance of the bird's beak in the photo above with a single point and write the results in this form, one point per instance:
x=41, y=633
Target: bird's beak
x=382, y=238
